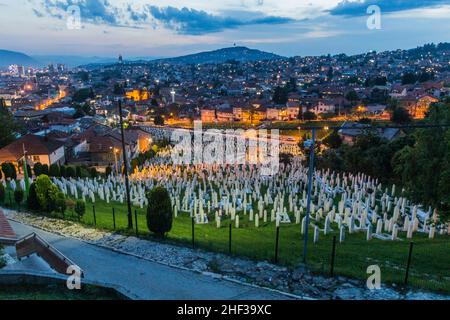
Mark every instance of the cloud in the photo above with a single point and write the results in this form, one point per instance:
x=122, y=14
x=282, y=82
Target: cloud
x=185, y=21
x=358, y=8
x=196, y=22
x=91, y=11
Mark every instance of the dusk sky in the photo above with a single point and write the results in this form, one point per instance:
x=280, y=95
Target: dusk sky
x=164, y=28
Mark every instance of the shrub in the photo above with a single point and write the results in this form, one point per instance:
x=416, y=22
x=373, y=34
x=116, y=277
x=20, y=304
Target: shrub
x=60, y=202
x=80, y=208
x=70, y=204
x=159, y=211
x=46, y=192
x=37, y=169
x=2, y=193
x=108, y=171
x=54, y=170
x=18, y=196
x=32, y=200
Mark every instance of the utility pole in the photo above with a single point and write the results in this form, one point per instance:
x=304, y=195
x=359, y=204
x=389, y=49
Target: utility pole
x=310, y=182
x=25, y=170
x=125, y=165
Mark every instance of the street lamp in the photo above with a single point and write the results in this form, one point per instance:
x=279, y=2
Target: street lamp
x=115, y=152
x=125, y=165
x=309, y=144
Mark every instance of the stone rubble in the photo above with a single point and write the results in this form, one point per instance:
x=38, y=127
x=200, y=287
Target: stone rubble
x=299, y=281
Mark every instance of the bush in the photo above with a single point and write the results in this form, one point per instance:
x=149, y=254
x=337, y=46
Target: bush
x=2, y=193
x=54, y=171
x=60, y=202
x=32, y=200
x=70, y=204
x=80, y=208
x=108, y=171
x=159, y=211
x=46, y=193
x=18, y=196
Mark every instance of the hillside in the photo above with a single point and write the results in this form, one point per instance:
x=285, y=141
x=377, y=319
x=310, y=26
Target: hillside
x=8, y=58
x=241, y=54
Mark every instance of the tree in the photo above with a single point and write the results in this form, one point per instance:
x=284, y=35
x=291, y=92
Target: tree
x=424, y=167
x=285, y=158
x=159, y=211
x=333, y=141
x=108, y=171
x=70, y=172
x=82, y=95
x=9, y=127
x=400, y=115
x=9, y=170
x=32, y=200
x=280, y=95
x=37, y=169
x=352, y=96
x=2, y=193
x=54, y=170
x=330, y=73
x=409, y=78
x=93, y=172
x=45, y=169
x=118, y=89
x=18, y=196
x=308, y=116
x=62, y=171
x=80, y=208
x=159, y=120
x=134, y=163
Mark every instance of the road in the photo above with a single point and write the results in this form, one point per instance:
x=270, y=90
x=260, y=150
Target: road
x=145, y=279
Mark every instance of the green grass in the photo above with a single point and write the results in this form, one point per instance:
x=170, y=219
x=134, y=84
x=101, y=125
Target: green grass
x=430, y=267
x=55, y=292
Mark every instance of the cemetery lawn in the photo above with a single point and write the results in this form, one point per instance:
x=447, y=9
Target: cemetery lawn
x=55, y=292
x=430, y=264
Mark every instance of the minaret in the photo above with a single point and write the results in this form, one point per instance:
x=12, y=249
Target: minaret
x=172, y=93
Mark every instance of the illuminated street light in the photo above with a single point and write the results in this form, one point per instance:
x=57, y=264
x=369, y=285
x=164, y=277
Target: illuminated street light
x=125, y=164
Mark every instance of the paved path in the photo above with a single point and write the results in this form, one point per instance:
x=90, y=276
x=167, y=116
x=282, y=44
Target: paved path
x=146, y=279
x=6, y=232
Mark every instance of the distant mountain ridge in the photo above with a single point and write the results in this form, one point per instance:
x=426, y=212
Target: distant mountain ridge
x=8, y=58
x=241, y=54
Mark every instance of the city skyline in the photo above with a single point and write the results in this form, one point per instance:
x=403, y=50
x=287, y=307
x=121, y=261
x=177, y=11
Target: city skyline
x=173, y=28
